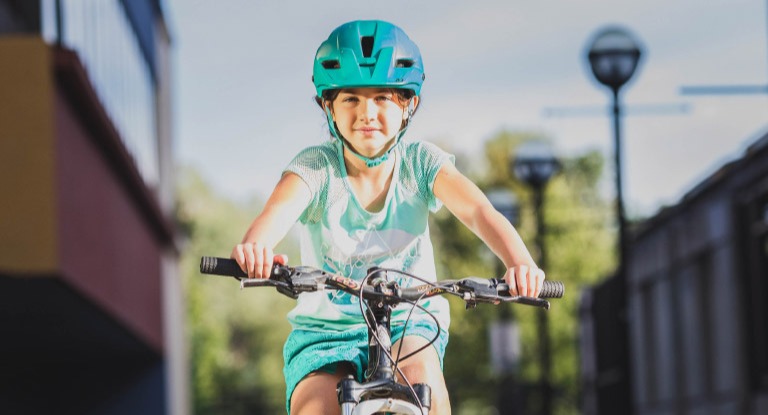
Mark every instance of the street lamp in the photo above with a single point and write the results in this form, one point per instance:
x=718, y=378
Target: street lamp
x=613, y=57
x=504, y=334
x=535, y=164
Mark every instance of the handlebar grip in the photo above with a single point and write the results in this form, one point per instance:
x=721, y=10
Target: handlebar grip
x=221, y=266
x=549, y=289
x=552, y=289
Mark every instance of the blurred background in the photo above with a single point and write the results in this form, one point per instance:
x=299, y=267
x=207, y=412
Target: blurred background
x=627, y=141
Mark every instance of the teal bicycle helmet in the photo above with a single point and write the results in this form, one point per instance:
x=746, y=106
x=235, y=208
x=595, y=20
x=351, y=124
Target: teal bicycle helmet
x=368, y=53
x=365, y=54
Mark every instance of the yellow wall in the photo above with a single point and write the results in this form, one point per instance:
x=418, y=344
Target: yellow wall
x=27, y=156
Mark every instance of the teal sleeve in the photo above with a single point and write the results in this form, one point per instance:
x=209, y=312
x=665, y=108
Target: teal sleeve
x=429, y=159
x=312, y=165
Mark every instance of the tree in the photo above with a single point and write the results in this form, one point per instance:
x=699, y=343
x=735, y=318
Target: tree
x=235, y=336
x=577, y=216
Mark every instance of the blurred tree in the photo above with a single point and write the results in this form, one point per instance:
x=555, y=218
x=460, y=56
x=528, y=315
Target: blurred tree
x=577, y=217
x=235, y=337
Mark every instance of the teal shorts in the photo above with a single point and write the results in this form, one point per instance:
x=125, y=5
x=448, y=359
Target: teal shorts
x=308, y=351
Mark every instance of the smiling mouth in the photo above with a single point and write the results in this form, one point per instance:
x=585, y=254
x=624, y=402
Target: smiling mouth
x=367, y=132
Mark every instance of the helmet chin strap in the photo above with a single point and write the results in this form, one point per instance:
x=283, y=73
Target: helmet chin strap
x=369, y=162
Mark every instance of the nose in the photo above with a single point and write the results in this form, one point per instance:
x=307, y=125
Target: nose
x=368, y=110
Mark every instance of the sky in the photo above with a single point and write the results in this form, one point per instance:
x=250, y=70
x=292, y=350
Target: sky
x=243, y=95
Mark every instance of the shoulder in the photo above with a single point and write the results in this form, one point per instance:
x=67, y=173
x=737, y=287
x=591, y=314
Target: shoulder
x=321, y=152
x=315, y=165
x=415, y=148
x=424, y=154
x=422, y=161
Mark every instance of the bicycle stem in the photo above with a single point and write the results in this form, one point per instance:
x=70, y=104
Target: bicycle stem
x=381, y=381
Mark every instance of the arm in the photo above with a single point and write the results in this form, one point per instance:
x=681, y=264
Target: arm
x=284, y=207
x=468, y=203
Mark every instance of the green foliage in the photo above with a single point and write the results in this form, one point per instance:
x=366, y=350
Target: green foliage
x=235, y=336
x=580, y=250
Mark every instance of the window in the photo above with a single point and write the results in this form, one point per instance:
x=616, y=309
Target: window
x=704, y=264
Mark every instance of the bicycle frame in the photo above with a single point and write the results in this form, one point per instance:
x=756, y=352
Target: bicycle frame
x=380, y=392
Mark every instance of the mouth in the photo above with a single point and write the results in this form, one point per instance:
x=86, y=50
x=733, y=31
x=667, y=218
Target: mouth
x=367, y=132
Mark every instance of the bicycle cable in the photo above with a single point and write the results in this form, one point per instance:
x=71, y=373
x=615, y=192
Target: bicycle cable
x=374, y=329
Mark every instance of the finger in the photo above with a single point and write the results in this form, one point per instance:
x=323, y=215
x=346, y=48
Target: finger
x=268, y=257
x=258, y=265
x=521, y=276
x=509, y=277
x=532, y=278
x=281, y=259
x=239, y=256
x=530, y=284
x=250, y=259
x=540, y=276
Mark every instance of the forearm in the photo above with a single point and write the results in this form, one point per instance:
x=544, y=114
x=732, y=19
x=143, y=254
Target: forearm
x=281, y=211
x=500, y=236
x=255, y=253
x=468, y=203
x=267, y=229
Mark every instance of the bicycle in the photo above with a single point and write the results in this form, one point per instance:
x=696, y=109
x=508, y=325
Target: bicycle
x=380, y=393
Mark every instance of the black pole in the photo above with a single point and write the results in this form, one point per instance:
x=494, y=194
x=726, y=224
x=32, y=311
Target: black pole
x=59, y=23
x=542, y=318
x=622, y=385
x=507, y=398
x=620, y=213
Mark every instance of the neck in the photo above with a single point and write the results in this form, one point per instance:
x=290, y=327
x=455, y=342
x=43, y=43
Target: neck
x=370, y=185
x=373, y=159
x=356, y=167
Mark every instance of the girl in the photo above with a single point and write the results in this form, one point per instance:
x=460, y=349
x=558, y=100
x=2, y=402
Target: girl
x=363, y=199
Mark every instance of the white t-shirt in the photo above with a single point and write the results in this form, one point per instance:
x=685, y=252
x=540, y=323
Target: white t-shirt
x=339, y=236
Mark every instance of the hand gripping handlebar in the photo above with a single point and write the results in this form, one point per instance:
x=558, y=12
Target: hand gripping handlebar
x=292, y=281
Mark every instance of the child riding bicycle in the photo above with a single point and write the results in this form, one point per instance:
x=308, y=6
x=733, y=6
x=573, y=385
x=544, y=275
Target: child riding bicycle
x=362, y=199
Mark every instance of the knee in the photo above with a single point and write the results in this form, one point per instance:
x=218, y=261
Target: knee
x=432, y=375
x=441, y=404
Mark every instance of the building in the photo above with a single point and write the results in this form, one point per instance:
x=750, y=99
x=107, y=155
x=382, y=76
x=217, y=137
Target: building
x=697, y=309
x=90, y=298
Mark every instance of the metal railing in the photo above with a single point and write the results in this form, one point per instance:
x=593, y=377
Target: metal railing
x=102, y=35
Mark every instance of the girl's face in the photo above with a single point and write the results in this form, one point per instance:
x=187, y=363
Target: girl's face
x=368, y=118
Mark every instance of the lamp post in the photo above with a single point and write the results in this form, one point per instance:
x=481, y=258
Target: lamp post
x=505, y=333
x=535, y=164
x=613, y=57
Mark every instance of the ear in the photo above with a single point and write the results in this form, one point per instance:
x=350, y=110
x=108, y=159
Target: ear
x=412, y=104
x=328, y=108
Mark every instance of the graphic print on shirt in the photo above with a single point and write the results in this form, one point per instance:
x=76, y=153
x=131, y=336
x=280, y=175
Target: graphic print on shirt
x=353, y=254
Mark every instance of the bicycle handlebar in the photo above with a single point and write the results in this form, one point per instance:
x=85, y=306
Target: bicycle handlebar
x=292, y=281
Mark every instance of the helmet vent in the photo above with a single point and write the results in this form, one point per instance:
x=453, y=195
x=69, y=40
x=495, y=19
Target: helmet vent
x=366, y=43
x=404, y=63
x=331, y=64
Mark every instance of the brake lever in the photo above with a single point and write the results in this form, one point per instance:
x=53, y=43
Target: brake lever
x=290, y=281
x=476, y=290
x=536, y=302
